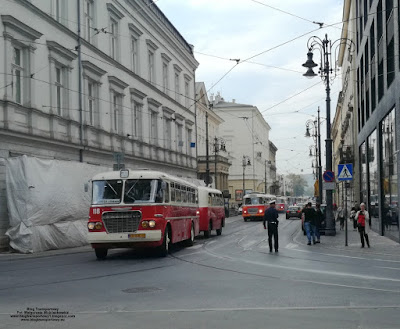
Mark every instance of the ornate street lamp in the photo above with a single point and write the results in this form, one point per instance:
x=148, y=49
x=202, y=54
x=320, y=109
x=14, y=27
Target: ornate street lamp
x=325, y=47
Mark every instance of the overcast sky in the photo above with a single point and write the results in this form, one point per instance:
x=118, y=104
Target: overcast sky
x=240, y=29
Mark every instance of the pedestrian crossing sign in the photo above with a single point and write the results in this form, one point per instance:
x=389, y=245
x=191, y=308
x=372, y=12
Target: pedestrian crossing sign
x=345, y=172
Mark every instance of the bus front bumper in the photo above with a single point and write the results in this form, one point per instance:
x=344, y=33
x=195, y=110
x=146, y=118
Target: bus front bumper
x=135, y=237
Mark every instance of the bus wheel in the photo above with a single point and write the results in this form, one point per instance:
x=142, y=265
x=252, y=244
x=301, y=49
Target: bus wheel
x=245, y=219
x=189, y=242
x=164, y=248
x=207, y=234
x=101, y=253
x=219, y=231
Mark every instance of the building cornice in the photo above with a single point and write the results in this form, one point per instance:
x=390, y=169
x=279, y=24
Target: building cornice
x=137, y=93
x=114, y=81
x=61, y=50
x=86, y=65
x=153, y=102
x=16, y=25
x=101, y=54
x=112, y=9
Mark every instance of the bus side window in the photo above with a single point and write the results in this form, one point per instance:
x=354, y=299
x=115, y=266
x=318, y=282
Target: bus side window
x=209, y=199
x=178, y=193
x=166, y=193
x=173, y=192
x=184, y=194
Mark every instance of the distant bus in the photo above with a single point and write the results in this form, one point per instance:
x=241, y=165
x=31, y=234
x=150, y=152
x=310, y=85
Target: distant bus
x=141, y=209
x=255, y=204
x=281, y=204
x=211, y=210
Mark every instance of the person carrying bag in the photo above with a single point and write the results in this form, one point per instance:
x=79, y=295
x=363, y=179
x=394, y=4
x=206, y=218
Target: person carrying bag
x=362, y=218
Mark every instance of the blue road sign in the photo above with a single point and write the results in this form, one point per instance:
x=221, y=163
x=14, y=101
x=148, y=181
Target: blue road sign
x=328, y=176
x=345, y=172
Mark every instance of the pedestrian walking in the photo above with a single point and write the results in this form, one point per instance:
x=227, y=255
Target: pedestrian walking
x=353, y=218
x=362, y=218
x=340, y=217
x=309, y=222
x=319, y=218
x=271, y=218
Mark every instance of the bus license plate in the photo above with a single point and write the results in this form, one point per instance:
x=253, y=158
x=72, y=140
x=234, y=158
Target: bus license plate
x=136, y=235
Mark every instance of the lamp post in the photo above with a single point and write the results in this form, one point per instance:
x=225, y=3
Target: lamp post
x=325, y=47
x=245, y=162
x=316, y=125
x=219, y=145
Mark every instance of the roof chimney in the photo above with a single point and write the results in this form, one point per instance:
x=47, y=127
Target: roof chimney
x=233, y=100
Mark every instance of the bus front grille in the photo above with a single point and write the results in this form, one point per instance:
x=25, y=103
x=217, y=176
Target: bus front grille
x=252, y=210
x=122, y=222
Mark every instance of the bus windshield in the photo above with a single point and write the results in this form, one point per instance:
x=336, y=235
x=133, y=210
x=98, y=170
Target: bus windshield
x=107, y=191
x=143, y=191
x=254, y=200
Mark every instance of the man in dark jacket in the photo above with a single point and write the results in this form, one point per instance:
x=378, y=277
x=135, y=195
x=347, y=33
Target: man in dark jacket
x=271, y=217
x=309, y=222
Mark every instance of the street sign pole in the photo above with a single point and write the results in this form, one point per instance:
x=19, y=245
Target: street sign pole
x=345, y=212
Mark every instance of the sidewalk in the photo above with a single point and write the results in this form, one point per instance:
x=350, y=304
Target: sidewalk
x=379, y=244
x=13, y=255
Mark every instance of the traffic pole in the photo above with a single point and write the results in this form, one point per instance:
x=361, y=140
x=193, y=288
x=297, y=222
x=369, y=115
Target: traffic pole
x=345, y=211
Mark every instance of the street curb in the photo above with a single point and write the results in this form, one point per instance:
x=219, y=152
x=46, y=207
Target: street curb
x=10, y=256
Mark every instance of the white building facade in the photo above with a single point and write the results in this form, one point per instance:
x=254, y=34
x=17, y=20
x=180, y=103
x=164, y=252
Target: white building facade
x=218, y=163
x=247, y=138
x=136, y=81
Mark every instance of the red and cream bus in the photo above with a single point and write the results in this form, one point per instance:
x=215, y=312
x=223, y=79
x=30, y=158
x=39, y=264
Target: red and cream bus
x=281, y=204
x=255, y=204
x=141, y=209
x=212, y=211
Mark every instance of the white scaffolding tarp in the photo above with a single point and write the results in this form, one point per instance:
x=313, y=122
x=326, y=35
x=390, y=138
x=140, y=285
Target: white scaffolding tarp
x=47, y=205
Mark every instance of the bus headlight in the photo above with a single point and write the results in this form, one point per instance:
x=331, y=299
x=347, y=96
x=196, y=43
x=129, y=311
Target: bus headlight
x=260, y=211
x=98, y=225
x=90, y=226
x=145, y=224
x=152, y=223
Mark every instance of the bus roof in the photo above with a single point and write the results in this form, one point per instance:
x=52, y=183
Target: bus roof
x=144, y=174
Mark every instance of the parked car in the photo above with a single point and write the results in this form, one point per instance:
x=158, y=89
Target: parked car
x=293, y=211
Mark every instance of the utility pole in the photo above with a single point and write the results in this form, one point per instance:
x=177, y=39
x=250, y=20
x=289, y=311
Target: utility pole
x=319, y=159
x=265, y=177
x=215, y=159
x=207, y=155
x=80, y=82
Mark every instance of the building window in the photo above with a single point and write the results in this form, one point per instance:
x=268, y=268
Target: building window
x=381, y=87
x=189, y=141
x=380, y=20
x=187, y=93
x=91, y=100
x=114, y=38
x=390, y=63
x=363, y=173
x=59, y=89
x=116, y=112
x=177, y=89
x=373, y=94
x=179, y=137
x=151, y=65
x=372, y=40
x=18, y=73
x=168, y=133
x=134, y=54
x=165, y=77
x=137, y=119
x=390, y=211
x=373, y=199
x=88, y=12
x=154, y=127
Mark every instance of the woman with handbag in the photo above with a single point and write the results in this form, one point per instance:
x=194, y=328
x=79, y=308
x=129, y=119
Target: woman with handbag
x=362, y=218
